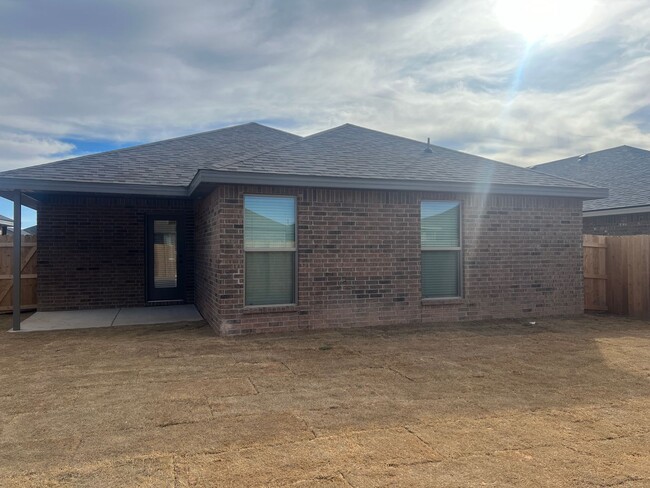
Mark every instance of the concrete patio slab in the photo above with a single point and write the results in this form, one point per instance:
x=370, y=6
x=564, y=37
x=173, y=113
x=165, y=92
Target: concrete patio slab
x=157, y=315
x=70, y=319
x=109, y=317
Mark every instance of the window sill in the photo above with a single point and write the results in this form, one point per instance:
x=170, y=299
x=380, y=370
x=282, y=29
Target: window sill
x=254, y=309
x=443, y=301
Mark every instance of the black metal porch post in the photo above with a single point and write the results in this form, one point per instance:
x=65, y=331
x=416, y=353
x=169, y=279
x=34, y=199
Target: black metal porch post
x=17, y=259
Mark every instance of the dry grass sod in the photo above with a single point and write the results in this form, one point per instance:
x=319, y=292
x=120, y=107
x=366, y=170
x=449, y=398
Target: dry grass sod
x=563, y=403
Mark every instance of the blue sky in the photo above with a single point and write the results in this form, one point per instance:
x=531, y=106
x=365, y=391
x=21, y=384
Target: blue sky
x=28, y=215
x=551, y=80
x=81, y=147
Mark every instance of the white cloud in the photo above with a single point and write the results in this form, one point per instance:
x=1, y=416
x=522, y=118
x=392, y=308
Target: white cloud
x=17, y=150
x=128, y=71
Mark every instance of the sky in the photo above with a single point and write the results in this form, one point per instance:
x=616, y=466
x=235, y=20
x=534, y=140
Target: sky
x=521, y=84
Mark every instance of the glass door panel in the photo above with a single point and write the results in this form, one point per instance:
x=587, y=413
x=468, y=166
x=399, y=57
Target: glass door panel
x=165, y=254
x=164, y=258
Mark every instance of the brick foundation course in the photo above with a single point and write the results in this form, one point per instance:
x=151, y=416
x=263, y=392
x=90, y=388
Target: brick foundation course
x=359, y=260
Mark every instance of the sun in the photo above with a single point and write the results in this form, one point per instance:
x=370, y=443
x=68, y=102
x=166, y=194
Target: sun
x=543, y=20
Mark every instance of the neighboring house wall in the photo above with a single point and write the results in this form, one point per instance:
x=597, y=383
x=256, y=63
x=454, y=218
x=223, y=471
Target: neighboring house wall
x=359, y=259
x=617, y=225
x=91, y=250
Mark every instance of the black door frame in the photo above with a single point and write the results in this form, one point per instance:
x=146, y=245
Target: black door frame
x=164, y=294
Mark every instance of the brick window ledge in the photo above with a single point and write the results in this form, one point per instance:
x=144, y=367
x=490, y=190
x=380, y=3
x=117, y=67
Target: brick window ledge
x=251, y=310
x=442, y=301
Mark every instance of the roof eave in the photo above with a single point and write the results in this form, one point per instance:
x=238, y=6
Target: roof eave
x=206, y=178
x=42, y=185
x=617, y=211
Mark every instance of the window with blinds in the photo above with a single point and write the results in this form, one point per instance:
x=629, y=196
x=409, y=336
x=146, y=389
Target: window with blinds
x=441, y=249
x=269, y=250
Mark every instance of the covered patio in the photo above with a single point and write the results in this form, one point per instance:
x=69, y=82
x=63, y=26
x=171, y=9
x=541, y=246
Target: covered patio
x=104, y=261
x=116, y=229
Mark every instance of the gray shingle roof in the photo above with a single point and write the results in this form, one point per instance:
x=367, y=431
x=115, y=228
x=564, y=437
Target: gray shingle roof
x=624, y=170
x=357, y=152
x=347, y=156
x=169, y=162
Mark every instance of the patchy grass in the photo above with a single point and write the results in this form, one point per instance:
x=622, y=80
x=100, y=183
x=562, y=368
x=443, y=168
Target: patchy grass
x=558, y=403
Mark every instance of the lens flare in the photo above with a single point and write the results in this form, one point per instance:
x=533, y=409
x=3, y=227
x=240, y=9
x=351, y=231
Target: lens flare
x=543, y=20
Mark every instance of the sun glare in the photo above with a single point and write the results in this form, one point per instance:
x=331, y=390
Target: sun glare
x=543, y=20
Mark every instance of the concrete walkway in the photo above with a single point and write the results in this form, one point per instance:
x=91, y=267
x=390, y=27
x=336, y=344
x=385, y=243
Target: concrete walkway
x=109, y=317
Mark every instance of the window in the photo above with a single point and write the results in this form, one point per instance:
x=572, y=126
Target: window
x=441, y=249
x=270, y=250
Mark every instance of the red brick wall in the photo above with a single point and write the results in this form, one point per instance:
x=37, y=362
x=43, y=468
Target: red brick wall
x=207, y=257
x=618, y=225
x=359, y=260
x=91, y=250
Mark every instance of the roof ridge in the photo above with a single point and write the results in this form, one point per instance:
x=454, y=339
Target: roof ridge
x=626, y=146
x=389, y=134
x=633, y=147
x=259, y=125
x=147, y=144
x=460, y=152
x=306, y=139
x=247, y=157
x=309, y=137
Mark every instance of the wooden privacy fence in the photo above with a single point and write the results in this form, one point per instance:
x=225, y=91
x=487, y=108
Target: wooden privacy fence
x=594, y=255
x=617, y=274
x=27, y=273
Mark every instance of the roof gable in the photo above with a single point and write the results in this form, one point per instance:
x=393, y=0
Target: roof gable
x=625, y=170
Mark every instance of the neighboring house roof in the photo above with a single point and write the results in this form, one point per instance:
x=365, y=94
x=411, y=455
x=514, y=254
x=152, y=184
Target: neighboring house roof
x=23, y=232
x=625, y=170
x=172, y=162
x=345, y=157
x=6, y=220
x=31, y=231
x=272, y=228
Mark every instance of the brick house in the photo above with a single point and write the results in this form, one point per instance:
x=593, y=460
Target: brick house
x=625, y=171
x=266, y=231
x=5, y=223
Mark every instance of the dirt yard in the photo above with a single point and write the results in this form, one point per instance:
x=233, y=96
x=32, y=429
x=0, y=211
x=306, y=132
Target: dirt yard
x=560, y=403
